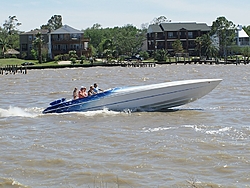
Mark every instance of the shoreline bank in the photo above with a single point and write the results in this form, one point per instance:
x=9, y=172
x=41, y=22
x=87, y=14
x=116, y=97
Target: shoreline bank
x=13, y=69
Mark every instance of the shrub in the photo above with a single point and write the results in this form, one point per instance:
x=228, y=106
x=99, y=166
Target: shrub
x=144, y=54
x=73, y=60
x=58, y=58
x=160, y=55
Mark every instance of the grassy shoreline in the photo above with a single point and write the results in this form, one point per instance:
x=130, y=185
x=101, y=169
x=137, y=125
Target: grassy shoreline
x=53, y=64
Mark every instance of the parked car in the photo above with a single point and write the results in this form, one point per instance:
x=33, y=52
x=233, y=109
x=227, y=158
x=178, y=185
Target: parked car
x=133, y=58
x=27, y=63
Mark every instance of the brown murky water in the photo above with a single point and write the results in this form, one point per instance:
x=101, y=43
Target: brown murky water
x=206, y=142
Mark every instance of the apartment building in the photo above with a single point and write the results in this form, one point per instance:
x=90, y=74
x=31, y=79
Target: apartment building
x=65, y=39
x=163, y=36
x=26, y=42
x=56, y=42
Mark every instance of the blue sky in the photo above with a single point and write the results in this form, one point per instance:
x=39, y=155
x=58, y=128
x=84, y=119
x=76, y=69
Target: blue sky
x=82, y=14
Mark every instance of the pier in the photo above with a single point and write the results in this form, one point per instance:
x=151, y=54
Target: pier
x=132, y=64
x=13, y=69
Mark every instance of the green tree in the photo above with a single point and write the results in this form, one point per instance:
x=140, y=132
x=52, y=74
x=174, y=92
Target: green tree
x=246, y=53
x=126, y=40
x=144, y=54
x=107, y=44
x=38, y=43
x=225, y=30
x=11, y=25
x=14, y=40
x=247, y=29
x=198, y=42
x=58, y=58
x=239, y=50
x=160, y=19
x=55, y=22
x=206, y=46
x=34, y=53
x=4, y=44
x=177, y=46
x=107, y=48
x=72, y=56
x=82, y=58
x=161, y=55
x=97, y=35
x=9, y=37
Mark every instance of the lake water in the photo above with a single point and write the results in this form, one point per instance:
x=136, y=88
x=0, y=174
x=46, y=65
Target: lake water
x=204, y=144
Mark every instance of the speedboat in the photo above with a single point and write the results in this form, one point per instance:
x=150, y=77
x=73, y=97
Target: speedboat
x=153, y=97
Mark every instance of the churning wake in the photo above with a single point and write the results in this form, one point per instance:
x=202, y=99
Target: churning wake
x=34, y=112
x=17, y=112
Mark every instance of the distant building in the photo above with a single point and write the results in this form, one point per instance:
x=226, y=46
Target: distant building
x=242, y=38
x=65, y=39
x=26, y=42
x=162, y=36
x=57, y=42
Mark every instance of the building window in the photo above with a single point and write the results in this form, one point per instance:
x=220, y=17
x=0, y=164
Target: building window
x=170, y=44
x=60, y=37
x=183, y=33
x=190, y=34
x=170, y=35
x=30, y=37
x=191, y=44
x=74, y=36
x=24, y=47
x=64, y=47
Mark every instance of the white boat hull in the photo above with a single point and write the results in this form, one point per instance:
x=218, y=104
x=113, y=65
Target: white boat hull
x=152, y=97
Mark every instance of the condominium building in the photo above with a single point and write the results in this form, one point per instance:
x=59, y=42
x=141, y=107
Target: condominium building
x=65, y=39
x=163, y=36
x=57, y=42
x=26, y=42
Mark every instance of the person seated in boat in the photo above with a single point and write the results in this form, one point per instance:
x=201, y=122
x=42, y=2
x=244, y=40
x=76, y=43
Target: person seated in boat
x=96, y=88
x=75, y=93
x=91, y=91
x=82, y=93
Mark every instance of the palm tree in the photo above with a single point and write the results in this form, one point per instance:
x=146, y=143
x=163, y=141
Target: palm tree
x=4, y=43
x=198, y=42
x=38, y=42
x=206, y=46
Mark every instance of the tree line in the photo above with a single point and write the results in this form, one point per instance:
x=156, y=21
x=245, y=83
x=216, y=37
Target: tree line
x=114, y=42
x=9, y=35
x=119, y=42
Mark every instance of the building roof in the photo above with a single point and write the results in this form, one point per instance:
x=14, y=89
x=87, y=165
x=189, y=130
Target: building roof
x=241, y=32
x=12, y=52
x=34, y=32
x=190, y=26
x=65, y=30
x=154, y=28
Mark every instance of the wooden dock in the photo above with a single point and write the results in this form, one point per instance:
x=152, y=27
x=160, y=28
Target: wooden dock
x=132, y=64
x=13, y=69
